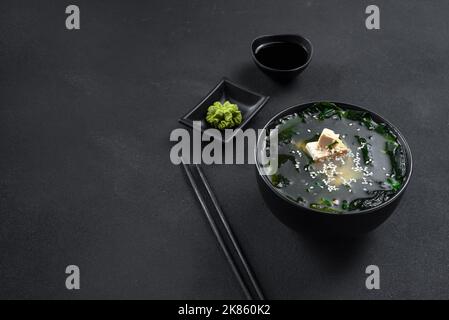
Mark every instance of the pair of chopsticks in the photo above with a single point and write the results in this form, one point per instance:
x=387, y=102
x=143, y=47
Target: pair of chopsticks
x=225, y=238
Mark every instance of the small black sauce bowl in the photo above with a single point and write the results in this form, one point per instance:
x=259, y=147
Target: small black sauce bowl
x=322, y=224
x=282, y=74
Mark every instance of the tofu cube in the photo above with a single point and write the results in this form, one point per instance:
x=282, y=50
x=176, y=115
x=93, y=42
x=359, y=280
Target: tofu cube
x=327, y=137
x=320, y=150
x=316, y=152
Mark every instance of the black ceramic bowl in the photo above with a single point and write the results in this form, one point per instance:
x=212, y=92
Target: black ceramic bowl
x=304, y=219
x=273, y=69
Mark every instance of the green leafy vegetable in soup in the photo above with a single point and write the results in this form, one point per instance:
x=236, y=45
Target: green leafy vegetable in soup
x=224, y=116
x=337, y=160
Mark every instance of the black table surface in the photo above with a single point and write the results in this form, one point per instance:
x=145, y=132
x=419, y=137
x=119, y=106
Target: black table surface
x=85, y=174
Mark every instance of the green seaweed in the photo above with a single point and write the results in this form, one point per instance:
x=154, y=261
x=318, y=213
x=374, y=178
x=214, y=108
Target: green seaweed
x=382, y=129
x=324, y=208
x=377, y=197
x=283, y=158
x=279, y=180
x=326, y=110
x=345, y=205
x=394, y=184
x=287, y=130
x=325, y=205
x=286, y=134
x=392, y=149
x=366, y=150
x=298, y=199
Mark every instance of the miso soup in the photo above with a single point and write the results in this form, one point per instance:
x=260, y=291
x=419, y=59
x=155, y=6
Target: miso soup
x=360, y=165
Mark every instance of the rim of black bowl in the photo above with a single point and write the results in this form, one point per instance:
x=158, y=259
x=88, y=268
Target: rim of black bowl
x=309, y=52
x=301, y=106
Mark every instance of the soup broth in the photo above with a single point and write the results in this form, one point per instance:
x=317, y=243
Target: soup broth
x=370, y=173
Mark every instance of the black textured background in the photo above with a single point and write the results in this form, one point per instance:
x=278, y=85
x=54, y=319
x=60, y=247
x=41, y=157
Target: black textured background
x=85, y=175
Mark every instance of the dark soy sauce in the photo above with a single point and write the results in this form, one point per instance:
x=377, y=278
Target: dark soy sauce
x=281, y=55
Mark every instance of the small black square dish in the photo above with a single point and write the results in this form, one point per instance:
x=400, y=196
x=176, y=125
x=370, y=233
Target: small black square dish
x=247, y=101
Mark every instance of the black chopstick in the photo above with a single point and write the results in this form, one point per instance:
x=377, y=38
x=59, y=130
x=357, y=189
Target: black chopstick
x=234, y=242
x=255, y=293
x=217, y=233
